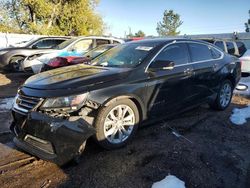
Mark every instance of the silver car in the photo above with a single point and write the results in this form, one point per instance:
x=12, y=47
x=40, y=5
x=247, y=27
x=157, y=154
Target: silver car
x=10, y=58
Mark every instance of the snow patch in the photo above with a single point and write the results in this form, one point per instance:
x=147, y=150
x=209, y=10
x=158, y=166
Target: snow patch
x=240, y=115
x=6, y=104
x=169, y=182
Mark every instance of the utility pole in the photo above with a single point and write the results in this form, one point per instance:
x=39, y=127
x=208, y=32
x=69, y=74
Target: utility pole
x=247, y=24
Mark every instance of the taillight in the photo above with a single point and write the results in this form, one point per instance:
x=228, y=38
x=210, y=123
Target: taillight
x=58, y=62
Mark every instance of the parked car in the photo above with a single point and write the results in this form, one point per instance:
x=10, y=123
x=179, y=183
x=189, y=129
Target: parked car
x=236, y=48
x=243, y=87
x=73, y=47
x=56, y=111
x=10, y=58
x=57, y=62
x=245, y=63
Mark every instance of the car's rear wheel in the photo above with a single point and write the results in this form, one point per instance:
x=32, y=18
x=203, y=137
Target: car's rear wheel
x=15, y=63
x=116, y=124
x=224, y=96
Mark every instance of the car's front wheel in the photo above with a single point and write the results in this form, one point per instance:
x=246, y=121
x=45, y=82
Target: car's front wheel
x=116, y=123
x=15, y=63
x=224, y=96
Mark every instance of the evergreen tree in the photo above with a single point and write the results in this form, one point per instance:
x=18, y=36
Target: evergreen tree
x=170, y=23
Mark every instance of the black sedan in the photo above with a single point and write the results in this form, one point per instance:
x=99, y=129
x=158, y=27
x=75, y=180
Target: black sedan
x=56, y=111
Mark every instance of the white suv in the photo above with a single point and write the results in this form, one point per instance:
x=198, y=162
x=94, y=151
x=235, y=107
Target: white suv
x=72, y=47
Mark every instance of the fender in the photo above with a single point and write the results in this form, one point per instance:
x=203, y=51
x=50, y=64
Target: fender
x=133, y=91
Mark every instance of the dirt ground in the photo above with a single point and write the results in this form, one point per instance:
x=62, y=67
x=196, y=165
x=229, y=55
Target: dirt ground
x=212, y=153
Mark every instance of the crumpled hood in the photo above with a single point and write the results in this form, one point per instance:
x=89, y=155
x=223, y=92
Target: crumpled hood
x=72, y=77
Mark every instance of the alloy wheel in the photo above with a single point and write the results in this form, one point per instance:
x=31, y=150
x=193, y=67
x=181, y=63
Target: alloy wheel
x=119, y=124
x=225, y=94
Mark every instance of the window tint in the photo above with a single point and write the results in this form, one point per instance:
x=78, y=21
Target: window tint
x=241, y=47
x=56, y=42
x=176, y=53
x=215, y=53
x=199, y=52
x=220, y=44
x=230, y=48
x=48, y=43
x=82, y=46
x=100, y=42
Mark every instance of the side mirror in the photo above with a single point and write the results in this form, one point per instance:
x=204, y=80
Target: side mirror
x=34, y=46
x=161, y=65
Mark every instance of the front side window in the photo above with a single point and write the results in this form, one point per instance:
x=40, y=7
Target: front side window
x=176, y=53
x=199, y=52
x=125, y=55
x=48, y=43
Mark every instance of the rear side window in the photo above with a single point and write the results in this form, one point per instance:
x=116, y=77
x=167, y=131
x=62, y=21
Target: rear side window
x=176, y=53
x=215, y=53
x=220, y=44
x=230, y=48
x=199, y=52
x=241, y=47
x=100, y=42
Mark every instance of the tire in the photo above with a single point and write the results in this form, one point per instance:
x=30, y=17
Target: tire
x=106, y=123
x=224, y=96
x=14, y=63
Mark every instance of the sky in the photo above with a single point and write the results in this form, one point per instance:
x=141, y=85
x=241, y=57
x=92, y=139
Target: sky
x=198, y=16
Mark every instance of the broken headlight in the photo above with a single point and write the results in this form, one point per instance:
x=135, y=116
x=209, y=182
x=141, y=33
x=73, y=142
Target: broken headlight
x=73, y=102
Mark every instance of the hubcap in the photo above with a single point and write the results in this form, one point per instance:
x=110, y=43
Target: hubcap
x=225, y=94
x=119, y=124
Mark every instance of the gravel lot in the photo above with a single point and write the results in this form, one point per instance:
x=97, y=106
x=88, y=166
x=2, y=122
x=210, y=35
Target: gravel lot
x=212, y=152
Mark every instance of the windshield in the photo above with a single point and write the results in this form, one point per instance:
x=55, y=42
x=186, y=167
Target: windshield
x=92, y=54
x=64, y=44
x=124, y=56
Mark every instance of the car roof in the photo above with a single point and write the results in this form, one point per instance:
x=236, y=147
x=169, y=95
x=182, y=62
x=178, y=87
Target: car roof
x=52, y=37
x=99, y=37
x=166, y=40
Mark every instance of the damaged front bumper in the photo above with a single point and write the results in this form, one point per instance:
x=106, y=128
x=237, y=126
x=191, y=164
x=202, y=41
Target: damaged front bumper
x=54, y=139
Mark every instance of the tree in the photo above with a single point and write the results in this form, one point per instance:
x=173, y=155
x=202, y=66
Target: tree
x=53, y=17
x=247, y=24
x=170, y=23
x=140, y=33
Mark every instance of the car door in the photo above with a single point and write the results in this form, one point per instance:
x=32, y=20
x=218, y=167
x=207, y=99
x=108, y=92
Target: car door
x=169, y=89
x=206, y=64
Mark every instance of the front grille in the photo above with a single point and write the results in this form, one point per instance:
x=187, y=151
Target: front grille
x=24, y=103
